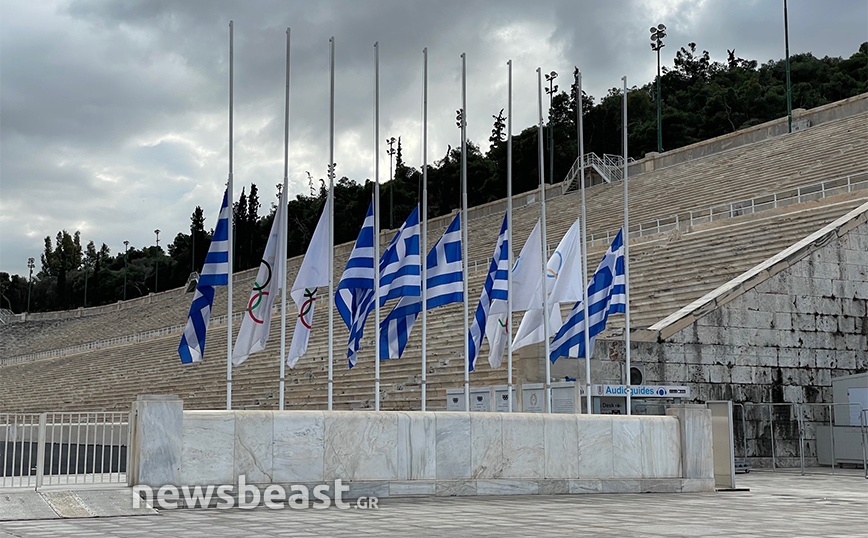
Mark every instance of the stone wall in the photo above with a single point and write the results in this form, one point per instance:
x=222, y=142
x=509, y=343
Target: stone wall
x=384, y=453
x=781, y=341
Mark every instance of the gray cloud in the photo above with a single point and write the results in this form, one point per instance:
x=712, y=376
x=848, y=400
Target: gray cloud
x=113, y=114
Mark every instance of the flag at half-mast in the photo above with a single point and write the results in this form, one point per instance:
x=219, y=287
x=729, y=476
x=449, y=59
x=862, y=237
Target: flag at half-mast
x=495, y=287
x=256, y=323
x=525, y=294
x=215, y=272
x=313, y=275
x=563, y=281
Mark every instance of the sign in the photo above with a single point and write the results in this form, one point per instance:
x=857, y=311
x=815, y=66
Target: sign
x=455, y=400
x=480, y=399
x=642, y=391
x=533, y=398
x=500, y=396
x=564, y=397
x=610, y=406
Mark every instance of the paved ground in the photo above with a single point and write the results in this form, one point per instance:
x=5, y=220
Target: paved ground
x=778, y=504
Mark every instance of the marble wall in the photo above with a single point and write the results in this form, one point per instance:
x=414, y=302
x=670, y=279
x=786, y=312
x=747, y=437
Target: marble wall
x=442, y=453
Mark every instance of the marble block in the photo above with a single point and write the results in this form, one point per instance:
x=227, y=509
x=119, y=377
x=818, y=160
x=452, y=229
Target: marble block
x=622, y=485
x=414, y=487
x=554, y=487
x=361, y=445
x=208, y=452
x=595, y=446
x=697, y=459
x=453, y=446
x=298, y=448
x=254, y=439
x=158, y=441
x=628, y=447
x=455, y=488
x=486, y=445
x=662, y=455
x=585, y=486
x=417, y=449
x=561, y=446
x=523, y=445
x=507, y=487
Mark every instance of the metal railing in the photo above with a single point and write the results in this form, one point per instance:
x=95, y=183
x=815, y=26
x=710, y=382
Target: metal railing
x=63, y=448
x=766, y=202
x=797, y=413
x=610, y=167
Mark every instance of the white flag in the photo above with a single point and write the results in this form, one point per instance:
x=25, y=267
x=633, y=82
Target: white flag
x=525, y=282
x=563, y=284
x=312, y=275
x=269, y=281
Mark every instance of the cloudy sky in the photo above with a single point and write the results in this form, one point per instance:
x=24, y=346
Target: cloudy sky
x=114, y=114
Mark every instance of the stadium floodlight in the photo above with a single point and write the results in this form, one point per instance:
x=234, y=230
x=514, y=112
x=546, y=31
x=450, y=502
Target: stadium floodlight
x=391, y=152
x=31, y=263
x=126, y=249
x=157, y=264
x=551, y=90
x=657, y=35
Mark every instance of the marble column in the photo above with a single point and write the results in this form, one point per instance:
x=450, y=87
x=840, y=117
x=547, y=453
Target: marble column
x=157, y=441
x=697, y=459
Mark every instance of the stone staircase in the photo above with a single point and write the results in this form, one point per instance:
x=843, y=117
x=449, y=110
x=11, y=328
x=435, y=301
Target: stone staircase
x=661, y=282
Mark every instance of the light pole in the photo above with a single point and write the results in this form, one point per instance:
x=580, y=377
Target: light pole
x=126, y=249
x=551, y=90
x=157, y=264
x=31, y=263
x=391, y=152
x=789, y=92
x=85, y=282
x=657, y=35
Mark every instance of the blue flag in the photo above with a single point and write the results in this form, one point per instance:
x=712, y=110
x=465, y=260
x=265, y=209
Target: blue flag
x=215, y=272
x=495, y=288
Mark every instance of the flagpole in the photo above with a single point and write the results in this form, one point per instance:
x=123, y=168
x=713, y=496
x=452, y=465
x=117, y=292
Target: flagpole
x=424, y=227
x=581, y=138
x=231, y=226
x=542, y=199
x=509, y=236
x=377, y=224
x=284, y=230
x=331, y=197
x=626, y=259
x=464, y=229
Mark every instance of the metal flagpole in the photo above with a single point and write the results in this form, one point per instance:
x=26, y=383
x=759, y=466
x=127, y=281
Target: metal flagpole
x=424, y=227
x=545, y=295
x=331, y=200
x=581, y=137
x=509, y=237
x=231, y=225
x=464, y=228
x=626, y=259
x=377, y=224
x=284, y=230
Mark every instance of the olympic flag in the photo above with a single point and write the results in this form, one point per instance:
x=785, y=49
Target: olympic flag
x=269, y=281
x=563, y=280
x=313, y=274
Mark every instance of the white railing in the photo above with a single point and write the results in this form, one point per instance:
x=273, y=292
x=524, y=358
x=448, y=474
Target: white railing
x=63, y=448
x=816, y=191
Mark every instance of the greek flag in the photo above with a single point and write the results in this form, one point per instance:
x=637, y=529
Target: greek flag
x=606, y=295
x=445, y=285
x=215, y=272
x=495, y=288
x=400, y=276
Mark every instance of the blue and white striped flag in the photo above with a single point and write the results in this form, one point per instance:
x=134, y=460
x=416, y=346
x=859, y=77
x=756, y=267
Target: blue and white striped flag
x=606, y=295
x=400, y=276
x=445, y=286
x=495, y=287
x=354, y=297
x=215, y=272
